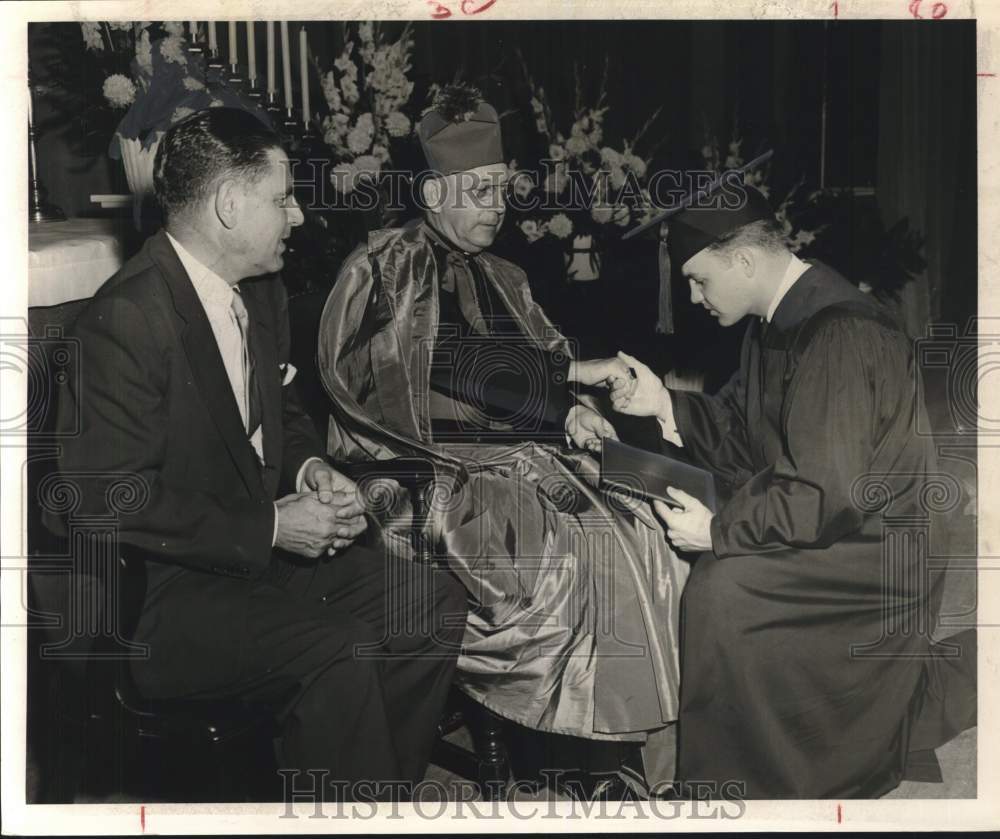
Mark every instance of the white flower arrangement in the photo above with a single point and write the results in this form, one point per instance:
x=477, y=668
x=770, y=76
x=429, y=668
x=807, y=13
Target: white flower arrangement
x=560, y=226
x=119, y=90
x=608, y=173
x=366, y=92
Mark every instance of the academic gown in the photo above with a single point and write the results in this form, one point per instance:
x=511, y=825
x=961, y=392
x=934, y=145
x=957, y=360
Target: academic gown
x=574, y=601
x=806, y=629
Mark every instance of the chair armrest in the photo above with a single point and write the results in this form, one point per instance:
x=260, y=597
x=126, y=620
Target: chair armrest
x=413, y=473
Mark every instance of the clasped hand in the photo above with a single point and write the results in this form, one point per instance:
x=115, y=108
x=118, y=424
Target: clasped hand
x=325, y=519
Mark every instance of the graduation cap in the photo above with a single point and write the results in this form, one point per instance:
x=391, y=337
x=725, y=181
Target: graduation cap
x=460, y=131
x=692, y=226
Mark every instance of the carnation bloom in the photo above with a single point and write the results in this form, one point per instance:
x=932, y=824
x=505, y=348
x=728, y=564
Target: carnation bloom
x=119, y=90
x=191, y=83
x=560, y=226
x=359, y=138
x=557, y=152
x=174, y=27
x=172, y=49
x=397, y=124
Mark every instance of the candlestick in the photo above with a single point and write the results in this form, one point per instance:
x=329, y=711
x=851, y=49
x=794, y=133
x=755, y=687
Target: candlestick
x=271, y=87
x=234, y=47
x=251, y=55
x=304, y=73
x=286, y=64
x=39, y=210
x=213, y=45
x=290, y=128
x=274, y=110
x=193, y=47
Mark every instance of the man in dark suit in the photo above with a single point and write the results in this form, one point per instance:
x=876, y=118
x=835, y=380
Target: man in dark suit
x=185, y=383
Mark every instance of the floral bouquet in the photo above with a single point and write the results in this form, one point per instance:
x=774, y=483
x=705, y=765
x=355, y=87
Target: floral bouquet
x=367, y=93
x=164, y=84
x=587, y=192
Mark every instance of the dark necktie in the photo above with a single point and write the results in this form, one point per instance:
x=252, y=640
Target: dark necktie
x=249, y=369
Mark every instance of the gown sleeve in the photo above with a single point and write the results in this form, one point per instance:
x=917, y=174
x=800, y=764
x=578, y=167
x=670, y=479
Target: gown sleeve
x=829, y=432
x=713, y=429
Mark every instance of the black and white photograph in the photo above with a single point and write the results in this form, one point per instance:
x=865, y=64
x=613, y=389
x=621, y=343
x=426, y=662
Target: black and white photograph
x=473, y=414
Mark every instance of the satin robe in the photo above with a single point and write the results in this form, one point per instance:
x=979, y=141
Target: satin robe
x=574, y=596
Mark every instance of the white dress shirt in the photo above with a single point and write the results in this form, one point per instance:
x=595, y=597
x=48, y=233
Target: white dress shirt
x=796, y=268
x=216, y=296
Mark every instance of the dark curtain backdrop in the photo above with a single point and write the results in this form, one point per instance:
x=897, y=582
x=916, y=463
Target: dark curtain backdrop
x=900, y=110
x=926, y=161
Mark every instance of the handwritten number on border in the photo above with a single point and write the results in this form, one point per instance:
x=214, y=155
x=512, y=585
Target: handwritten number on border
x=468, y=8
x=938, y=10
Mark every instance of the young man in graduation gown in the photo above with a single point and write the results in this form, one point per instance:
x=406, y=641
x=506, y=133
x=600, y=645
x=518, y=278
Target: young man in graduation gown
x=806, y=630
x=431, y=345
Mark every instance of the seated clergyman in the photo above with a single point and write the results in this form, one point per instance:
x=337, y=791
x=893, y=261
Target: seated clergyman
x=431, y=345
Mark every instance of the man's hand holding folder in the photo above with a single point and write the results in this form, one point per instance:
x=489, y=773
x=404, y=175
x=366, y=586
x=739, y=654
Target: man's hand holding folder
x=689, y=525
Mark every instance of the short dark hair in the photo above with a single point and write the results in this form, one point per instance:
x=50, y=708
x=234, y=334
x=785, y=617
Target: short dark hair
x=766, y=234
x=204, y=147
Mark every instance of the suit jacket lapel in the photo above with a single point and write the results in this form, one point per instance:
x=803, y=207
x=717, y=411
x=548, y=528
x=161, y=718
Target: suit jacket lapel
x=205, y=361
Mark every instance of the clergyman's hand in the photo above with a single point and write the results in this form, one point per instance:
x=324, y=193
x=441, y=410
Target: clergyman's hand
x=689, y=528
x=586, y=428
x=603, y=372
x=643, y=396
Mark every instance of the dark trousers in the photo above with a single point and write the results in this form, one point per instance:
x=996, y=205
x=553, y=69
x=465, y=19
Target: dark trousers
x=357, y=653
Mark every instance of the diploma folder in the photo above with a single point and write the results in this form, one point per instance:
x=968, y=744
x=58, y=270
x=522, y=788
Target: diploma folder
x=648, y=474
